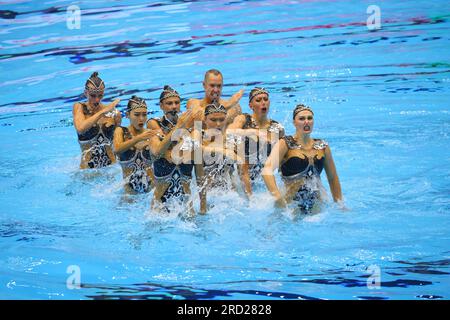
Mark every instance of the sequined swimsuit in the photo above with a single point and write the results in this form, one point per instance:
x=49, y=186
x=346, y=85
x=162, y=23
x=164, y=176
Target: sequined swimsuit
x=217, y=169
x=138, y=161
x=97, y=138
x=171, y=173
x=307, y=168
x=174, y=175
x=256, y=158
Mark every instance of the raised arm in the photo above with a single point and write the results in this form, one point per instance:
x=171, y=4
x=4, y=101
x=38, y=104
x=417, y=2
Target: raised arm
x=273, y=162
x=235, y=128
x=234, y=100
x=118, y=118
x=82, y=124
x=121, y=146
x=237, y=124
x=332, y=176
x=159, y=148
x=152, y=124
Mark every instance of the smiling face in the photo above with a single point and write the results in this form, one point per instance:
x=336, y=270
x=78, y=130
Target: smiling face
x=215, y=121
x=260, y=105
x=213, y=86
x=138, y=118
x=304, y=122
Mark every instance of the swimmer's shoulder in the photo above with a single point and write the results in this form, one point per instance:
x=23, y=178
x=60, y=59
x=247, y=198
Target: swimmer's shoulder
x=288, y=142
x=120, y=129
x=193, y=103
x=278, y=127
x=153, y=123
x=320, y=144
x=225, y=102
x=231, y=102
x=79, y=105
x=119, y=133
x=240, y=120
x=79, y=110
x=275, y=122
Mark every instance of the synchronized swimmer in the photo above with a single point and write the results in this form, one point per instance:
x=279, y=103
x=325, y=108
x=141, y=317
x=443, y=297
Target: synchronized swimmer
x=212, y=142
x=95, y=124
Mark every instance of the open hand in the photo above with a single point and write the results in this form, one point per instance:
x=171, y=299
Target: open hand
x=184, y=119
x=236, y=97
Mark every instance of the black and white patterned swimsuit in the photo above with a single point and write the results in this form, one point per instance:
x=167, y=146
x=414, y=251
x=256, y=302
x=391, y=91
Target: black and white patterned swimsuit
x=169, y=172
x=97, y=138
x=307, y=168
x=164, y=124
x=217, y=169
x=139, y=161
x=173, y=174
x=257, y=158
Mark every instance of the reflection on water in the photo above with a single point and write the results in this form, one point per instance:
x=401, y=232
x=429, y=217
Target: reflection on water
x=335, y=278
x=380, y=99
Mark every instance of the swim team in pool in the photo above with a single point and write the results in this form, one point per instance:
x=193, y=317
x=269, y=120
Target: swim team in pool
x=213, y=141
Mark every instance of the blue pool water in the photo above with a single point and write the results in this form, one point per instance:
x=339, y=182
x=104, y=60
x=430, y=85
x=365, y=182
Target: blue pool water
x=381, y=100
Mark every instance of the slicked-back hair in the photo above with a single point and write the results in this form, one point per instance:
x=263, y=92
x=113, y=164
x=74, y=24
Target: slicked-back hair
x=214, y=72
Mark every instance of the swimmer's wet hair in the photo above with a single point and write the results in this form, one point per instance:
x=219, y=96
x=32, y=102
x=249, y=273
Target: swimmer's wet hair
x=214, y=72
x=94, y=83
x=215, y=107
x=135, y=103
x=168, y=92
x=255, y=91
x=300, y=108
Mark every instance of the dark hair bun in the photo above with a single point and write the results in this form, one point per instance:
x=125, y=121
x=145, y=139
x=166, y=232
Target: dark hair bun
x=94, y=75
